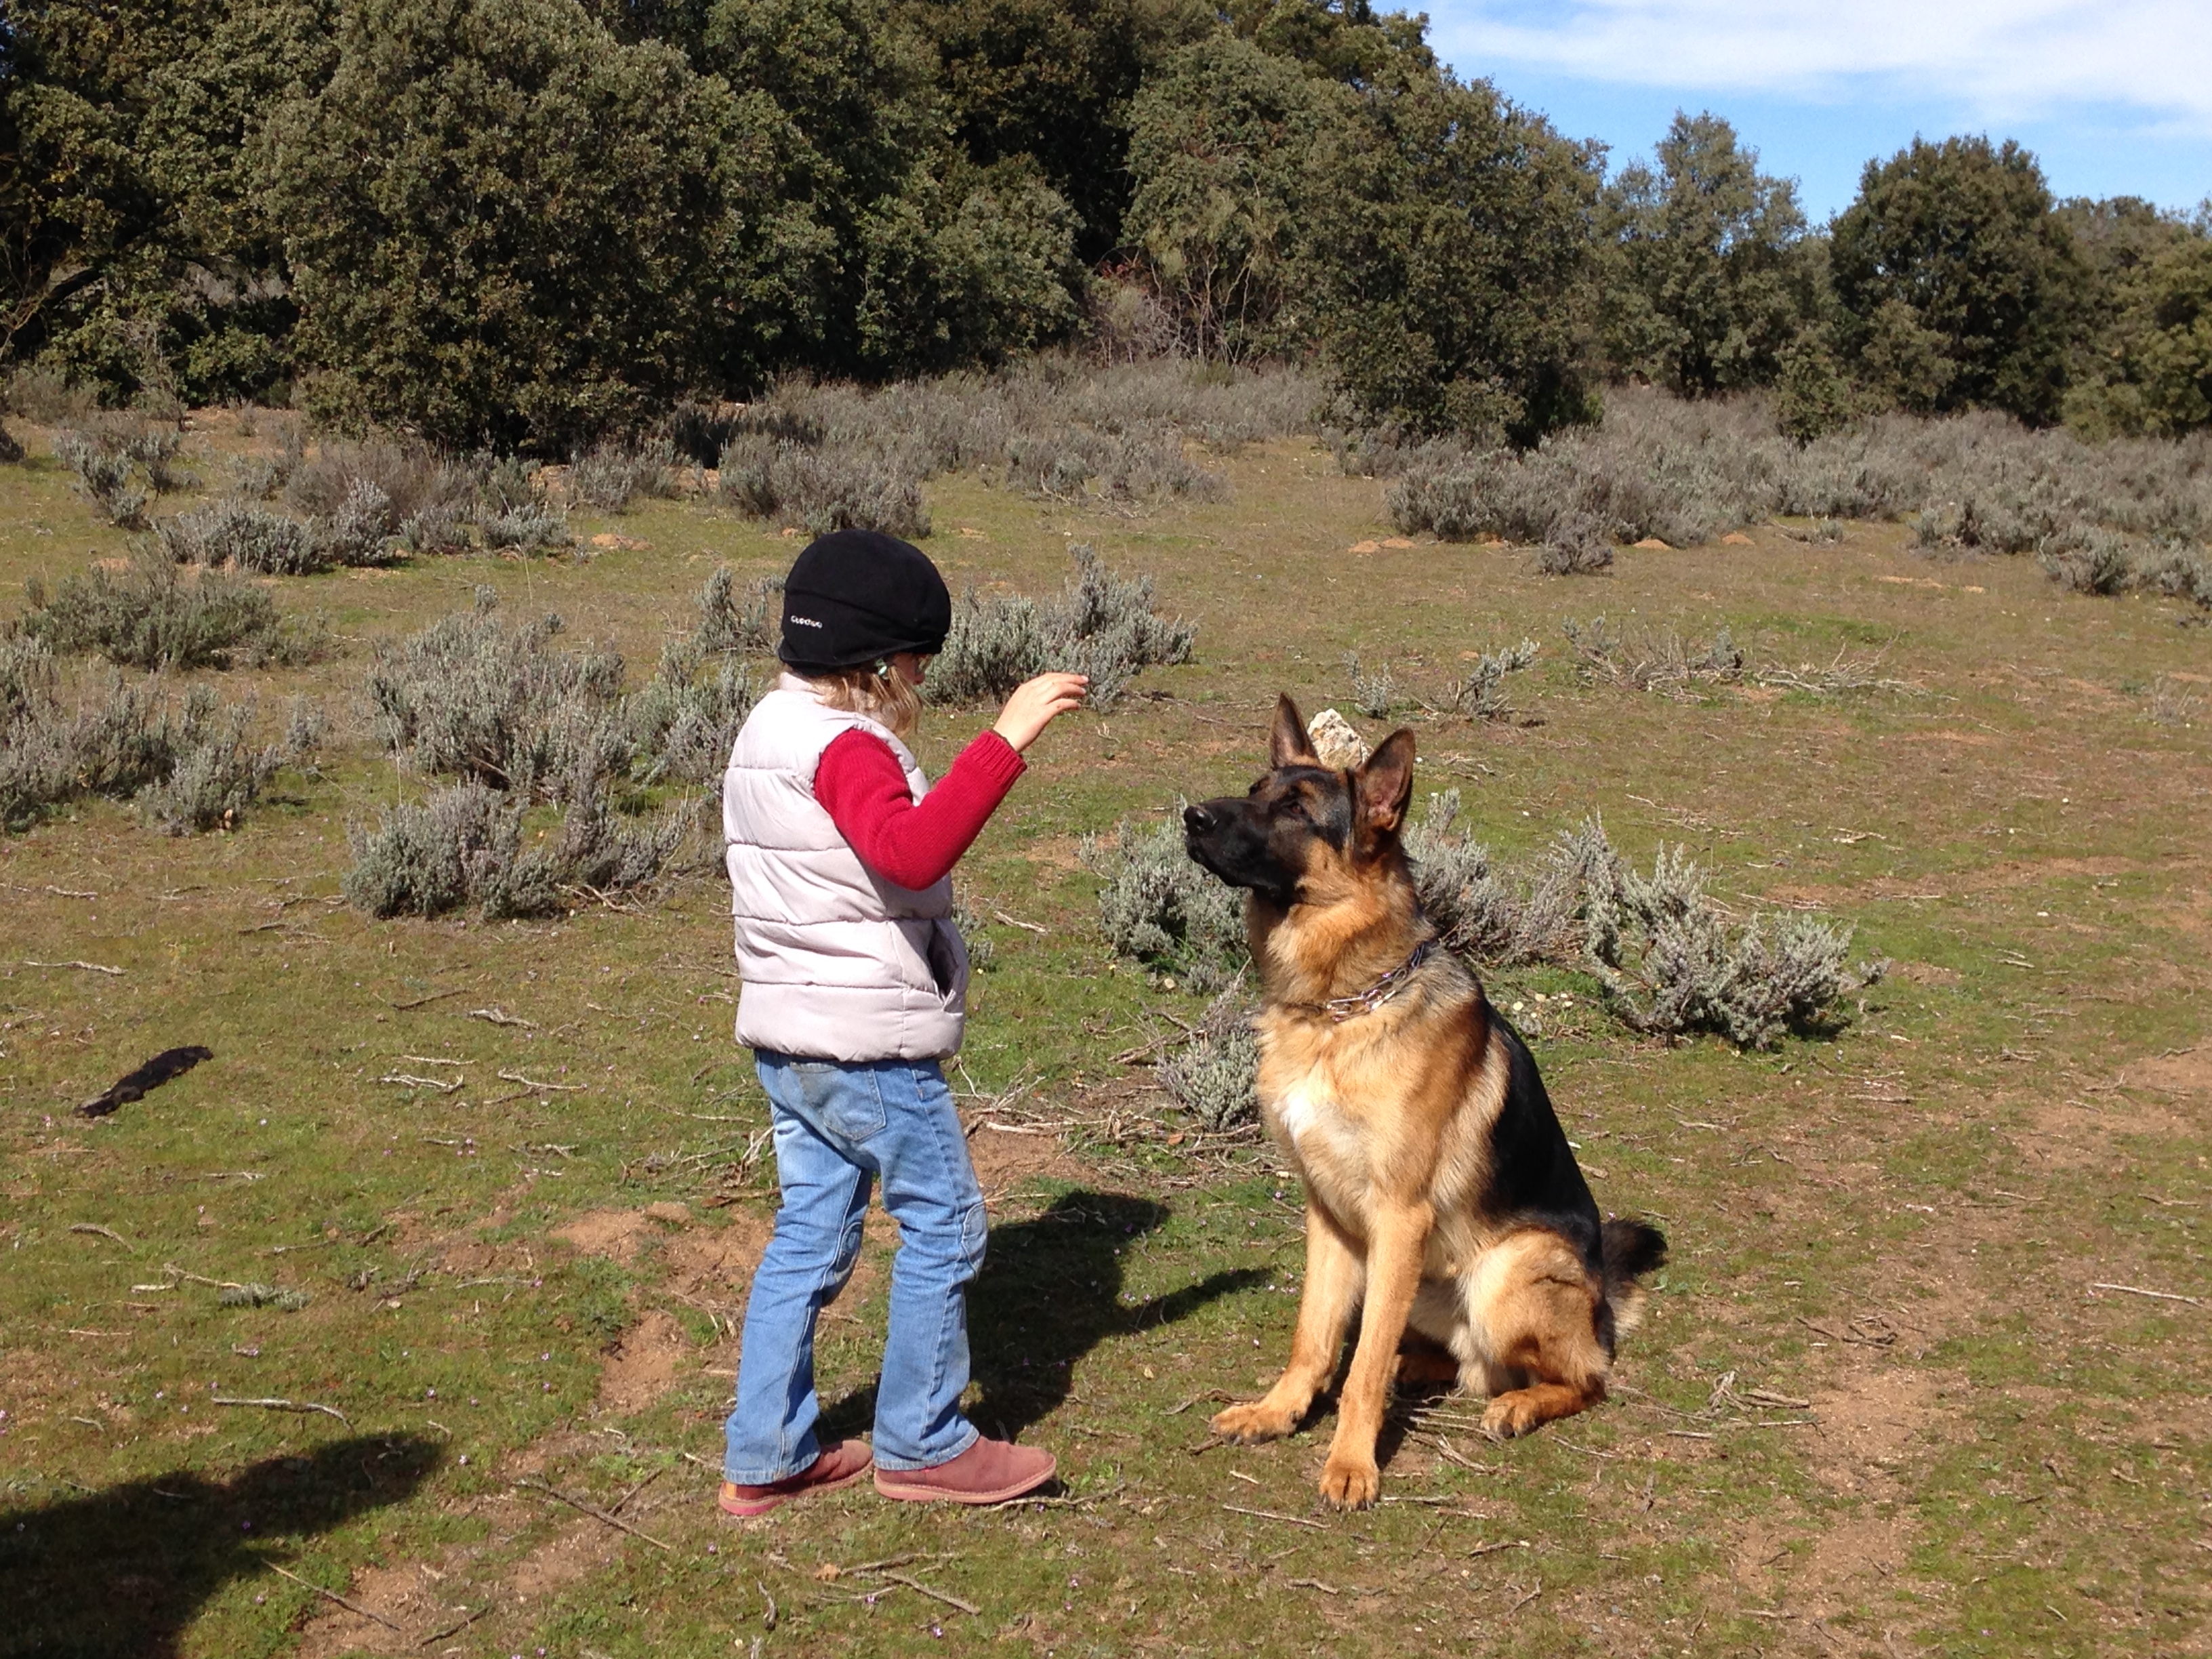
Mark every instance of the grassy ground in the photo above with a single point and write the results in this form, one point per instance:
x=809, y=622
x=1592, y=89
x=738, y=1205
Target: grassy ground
x=1880, y=1406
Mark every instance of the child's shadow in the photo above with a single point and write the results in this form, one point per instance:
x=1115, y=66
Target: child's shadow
x=1049, y=1292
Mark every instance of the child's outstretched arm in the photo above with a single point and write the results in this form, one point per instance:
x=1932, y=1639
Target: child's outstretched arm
x=860, y=785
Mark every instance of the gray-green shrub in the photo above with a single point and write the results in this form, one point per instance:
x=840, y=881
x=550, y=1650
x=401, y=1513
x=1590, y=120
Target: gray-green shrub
x=1158, y=906
x=244, y=537
x=1213, y=1077
x=610, y=476
x=470, y=697
x=104, y=478
x=1101, y=625
x=147, y=615
x=842, y=486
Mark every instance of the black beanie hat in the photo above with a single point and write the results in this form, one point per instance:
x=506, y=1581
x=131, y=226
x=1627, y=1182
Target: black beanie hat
x=858, y=596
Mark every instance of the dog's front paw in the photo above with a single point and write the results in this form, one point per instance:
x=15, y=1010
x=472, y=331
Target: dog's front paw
x=1253, y=1421
x=1350, y=1483
x=1510, y=1416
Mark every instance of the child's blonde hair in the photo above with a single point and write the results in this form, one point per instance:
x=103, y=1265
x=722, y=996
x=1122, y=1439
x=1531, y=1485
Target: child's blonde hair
x=885, y=695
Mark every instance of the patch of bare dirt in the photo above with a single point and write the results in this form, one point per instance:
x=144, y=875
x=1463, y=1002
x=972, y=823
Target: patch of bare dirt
x=2185, y=1072
x=570, y=1555
x=1870, y=1421
x=1004, y=1158
x=620, y=1234
x=413, y=1596
x=642, y=1366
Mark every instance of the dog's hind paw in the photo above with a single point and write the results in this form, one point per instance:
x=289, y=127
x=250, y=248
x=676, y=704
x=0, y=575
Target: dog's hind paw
x=1253, y=1421
x=1349, y=1485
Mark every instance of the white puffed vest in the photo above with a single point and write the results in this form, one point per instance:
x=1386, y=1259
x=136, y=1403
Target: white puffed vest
x=837, y=963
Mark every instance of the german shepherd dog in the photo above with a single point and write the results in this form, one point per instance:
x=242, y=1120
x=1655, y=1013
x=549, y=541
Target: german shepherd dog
x=1442, y=1199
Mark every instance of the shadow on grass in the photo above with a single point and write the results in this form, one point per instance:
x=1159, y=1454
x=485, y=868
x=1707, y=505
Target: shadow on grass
x=123, y=1571
x=1050, y=1292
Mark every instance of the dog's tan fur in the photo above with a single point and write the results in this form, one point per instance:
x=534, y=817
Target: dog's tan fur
x=1387, y=1116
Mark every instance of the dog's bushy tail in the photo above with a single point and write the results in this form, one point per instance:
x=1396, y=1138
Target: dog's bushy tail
x=1630, y=1249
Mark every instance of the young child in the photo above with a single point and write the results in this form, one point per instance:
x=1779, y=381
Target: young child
x=854, y=990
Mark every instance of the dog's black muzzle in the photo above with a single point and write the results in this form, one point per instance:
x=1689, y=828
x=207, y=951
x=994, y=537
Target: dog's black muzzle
x=1223, y=836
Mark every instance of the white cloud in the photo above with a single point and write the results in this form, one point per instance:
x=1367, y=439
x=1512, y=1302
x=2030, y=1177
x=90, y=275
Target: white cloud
x=2005, y=62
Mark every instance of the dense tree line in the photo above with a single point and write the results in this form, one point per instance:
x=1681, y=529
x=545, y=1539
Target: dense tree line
x=525, y=222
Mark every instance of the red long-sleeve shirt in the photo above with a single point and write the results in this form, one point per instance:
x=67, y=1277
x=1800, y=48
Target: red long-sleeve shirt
x=860, y=784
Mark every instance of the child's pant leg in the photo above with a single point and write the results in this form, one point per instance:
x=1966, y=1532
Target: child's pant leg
x=818, y=1239
x=929, y=1187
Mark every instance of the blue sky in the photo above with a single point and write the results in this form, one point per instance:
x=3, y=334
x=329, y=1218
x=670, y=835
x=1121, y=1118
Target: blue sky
x=2114, y=98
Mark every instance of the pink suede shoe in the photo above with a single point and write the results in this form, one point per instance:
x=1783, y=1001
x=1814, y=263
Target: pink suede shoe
x=989, y=1472
x=841, y=1462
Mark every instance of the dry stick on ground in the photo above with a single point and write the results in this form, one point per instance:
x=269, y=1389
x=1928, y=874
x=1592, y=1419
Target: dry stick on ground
x=1270, y=1515
x=582, y=1508
x=419, y=1002
x=105, y=1233
x=405, y=1081
x=332, y=1595
x=303, y=1406
x=88, y=967
x=454, y=1630
x=558, y=1088
x=2132, y=1290
x=498, y=1016
x=916, y=1585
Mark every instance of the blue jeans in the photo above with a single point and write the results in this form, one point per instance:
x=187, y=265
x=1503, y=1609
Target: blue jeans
x=838, y=1126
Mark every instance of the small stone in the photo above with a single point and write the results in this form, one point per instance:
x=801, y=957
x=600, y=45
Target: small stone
x=1335, y=741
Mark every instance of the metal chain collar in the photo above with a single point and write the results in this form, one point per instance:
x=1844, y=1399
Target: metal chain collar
x=1339, y=1009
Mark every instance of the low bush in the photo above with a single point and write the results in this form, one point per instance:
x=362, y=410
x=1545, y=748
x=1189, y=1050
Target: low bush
x=463, y=848
x=1101, y=625
x=120, y=739
x=685, y=721
x=610, y=476
x=1158, y=906
x=1213, y=1077
x=731, y=621
x=441, y=528
x=410, y=478
x=2093, y=562
x=106, y=479
x=1481, y=694
x=358, y=529
x=11, y=447
x=49, y=398
x=843, y=486
x=220, y=770
x=1376, y=692
x=1671, y=963
x=148, y=616
x=470, y=697
x=527, y=528
x=242, y=536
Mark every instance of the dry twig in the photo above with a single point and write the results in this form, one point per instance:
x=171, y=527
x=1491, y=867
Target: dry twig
x=332, y=1595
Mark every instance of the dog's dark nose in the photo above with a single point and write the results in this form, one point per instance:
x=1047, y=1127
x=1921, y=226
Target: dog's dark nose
x=1197, y=819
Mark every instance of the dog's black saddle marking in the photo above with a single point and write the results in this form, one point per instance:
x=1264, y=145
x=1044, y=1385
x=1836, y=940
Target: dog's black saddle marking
x=135, y=1085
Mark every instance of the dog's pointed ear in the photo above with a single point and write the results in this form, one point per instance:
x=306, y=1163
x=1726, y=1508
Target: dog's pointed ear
x=1288, y=744
x=1384, y=783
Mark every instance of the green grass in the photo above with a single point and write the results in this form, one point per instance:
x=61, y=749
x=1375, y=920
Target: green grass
x=1900, y=1225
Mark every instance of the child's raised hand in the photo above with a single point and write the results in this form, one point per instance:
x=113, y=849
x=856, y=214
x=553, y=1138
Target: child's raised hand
x=1036, y=704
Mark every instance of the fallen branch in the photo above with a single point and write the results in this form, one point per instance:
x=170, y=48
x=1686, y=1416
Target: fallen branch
x=300, y=1406
x=88, y=967
x=419, y=1002
x=915, y=1584
x=332, y=1595
x=582, y=1508
x=1016, y=921
x=2137, y=1290
x=527, y=1083
x=407, y=1081
x=498, y=1016
x=104, y=1232
x=1270, y=1515
x=454, y=1630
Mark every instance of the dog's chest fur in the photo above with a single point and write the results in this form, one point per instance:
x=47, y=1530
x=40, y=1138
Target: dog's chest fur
x=1304, y=1104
